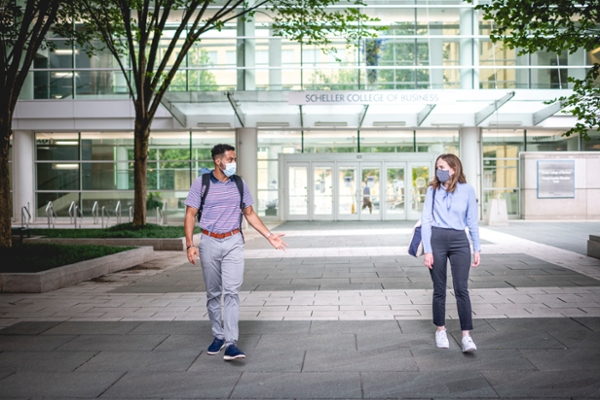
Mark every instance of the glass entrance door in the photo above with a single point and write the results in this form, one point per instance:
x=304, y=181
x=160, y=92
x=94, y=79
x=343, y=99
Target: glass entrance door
x=420, y=177
x=395, y=191
x=355, y=189
x=370, y=191
x=322, y=193
x=297, y=191
x=348, y=191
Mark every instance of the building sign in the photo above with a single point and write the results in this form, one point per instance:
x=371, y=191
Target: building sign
x=556, y=179
x=342, y=97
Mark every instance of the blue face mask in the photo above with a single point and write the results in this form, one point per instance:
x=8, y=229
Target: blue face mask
x=230, y=169
x=442, y=175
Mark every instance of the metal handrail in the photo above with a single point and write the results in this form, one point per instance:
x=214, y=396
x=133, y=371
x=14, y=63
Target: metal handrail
x=25, y=221
x=130, y=217
x=71, y=216
x=78, y=215
x=105, y=211
x=118, y=212
x=95, y=212
x=51, y=215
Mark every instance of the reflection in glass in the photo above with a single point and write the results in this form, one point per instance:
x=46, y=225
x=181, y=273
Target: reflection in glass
x=371, y=196
x=107, y=176
x=347, y=190
x=58, y=176
x=298, y=190
x=394, y=191
x=420, y=180
x=267, y=203
x=323, y=190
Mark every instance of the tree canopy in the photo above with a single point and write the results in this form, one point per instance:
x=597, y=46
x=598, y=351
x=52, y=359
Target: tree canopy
x=555, y=26
x=150, y=40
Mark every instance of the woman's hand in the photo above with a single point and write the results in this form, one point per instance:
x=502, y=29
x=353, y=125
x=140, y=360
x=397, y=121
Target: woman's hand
x=476, y=259
x=428, y=261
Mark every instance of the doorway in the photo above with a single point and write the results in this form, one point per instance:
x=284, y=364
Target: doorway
x=354, y=186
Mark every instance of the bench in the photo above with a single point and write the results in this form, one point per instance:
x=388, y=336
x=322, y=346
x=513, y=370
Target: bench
x=21, y=231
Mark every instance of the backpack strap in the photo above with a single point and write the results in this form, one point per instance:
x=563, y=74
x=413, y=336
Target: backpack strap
x=204, y=191
x=240, y=185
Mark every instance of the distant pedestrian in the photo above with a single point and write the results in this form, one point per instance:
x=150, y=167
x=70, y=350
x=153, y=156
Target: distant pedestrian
x=367, y=198
x=222, y=198
x=450, y=207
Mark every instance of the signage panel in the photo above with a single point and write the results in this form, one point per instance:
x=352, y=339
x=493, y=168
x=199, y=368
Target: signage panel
x=556, y=179
x=343, y=97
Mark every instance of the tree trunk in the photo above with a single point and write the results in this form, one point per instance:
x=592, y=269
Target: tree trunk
x=5, y=198
x=140, y=149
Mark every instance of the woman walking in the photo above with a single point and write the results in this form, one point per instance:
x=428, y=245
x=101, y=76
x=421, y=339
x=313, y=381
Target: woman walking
x=450, y=207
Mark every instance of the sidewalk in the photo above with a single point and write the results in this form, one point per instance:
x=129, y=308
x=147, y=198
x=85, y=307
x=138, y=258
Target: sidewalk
x=344, y=313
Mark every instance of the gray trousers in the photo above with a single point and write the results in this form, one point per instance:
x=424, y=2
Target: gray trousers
x=223, y=270
x=453, y=245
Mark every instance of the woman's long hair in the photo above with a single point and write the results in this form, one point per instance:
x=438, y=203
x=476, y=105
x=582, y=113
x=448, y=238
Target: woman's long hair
x=454, y=163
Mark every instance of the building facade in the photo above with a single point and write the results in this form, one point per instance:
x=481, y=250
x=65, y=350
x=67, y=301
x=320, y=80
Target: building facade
x=350, y=135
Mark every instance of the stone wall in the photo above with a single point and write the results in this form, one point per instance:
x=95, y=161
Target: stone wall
x=586, y=203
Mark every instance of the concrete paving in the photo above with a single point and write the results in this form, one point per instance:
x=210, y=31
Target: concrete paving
x=344, y=313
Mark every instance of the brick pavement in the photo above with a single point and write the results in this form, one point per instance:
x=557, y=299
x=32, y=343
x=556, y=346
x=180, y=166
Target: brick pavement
x=343, y=314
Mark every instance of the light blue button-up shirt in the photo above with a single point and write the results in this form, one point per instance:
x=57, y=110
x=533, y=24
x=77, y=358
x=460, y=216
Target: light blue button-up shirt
x=456, y=210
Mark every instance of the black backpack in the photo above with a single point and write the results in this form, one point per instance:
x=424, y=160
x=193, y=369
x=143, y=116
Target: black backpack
x=206, y=184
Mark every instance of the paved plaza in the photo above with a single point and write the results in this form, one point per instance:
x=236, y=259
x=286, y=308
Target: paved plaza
x=345, y=313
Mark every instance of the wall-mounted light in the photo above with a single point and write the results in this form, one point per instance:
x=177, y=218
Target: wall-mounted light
x=65, y=52
x=66, y=143
x=331, y=123
x=65, y=166
x=64, y=74
x=389, y=123
x=213, y=125
x=272, y=124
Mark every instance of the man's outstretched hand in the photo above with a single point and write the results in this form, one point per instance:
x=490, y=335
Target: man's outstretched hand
x=276, y=241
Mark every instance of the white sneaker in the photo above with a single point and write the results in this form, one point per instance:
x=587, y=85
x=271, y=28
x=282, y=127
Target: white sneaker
x=441, y=340
x=468, y=346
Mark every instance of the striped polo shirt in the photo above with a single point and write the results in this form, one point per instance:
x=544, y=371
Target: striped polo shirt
x=221, y=212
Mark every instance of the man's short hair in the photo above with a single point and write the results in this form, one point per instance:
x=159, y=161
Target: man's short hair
x=220, y=149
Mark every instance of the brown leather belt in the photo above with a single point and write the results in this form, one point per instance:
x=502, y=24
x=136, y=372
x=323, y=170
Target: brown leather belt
x=220, y=235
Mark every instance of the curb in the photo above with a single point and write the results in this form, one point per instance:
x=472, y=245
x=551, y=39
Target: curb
x=174, y=244
x=71, y=274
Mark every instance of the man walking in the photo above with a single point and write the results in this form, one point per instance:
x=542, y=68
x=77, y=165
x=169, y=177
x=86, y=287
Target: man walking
x=221, y=204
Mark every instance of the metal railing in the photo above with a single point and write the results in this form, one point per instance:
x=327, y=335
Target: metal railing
x=161, y=214
x=51, y=215
x=25, y=216
x=71, y=212
x=130, y=216
x=95, y=213
x=78, y=215
x=105, y=212
x=118, y=212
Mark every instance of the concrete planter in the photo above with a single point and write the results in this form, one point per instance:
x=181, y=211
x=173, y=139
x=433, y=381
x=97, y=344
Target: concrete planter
x=593, y=246
x=71, y=274
x=174, y=244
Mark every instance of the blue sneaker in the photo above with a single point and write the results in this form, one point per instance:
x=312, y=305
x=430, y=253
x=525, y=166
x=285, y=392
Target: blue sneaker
x=216, y=346
x=233, y=353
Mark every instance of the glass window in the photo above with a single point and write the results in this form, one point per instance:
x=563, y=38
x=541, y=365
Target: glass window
x=386, y=141
x=438, y=141
x=107, y=146
x=544, y=140
x=330, y=141
x=58, y=176
x=593, y=144
x=57, y=146
x=270, y=145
